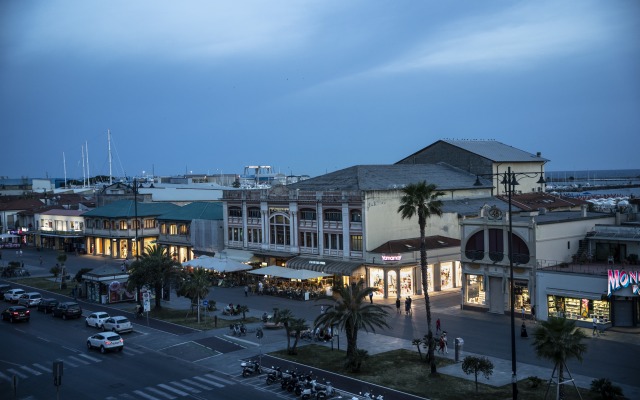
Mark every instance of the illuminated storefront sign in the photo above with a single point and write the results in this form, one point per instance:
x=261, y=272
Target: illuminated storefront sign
x=620, y=279
x=391, y=257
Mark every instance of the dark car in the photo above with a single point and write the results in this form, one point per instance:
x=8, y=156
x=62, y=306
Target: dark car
x=67, y=309
x=16, y=313
x=47, y=305
x=4, y=287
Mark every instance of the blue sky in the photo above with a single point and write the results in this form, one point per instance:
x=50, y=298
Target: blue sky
x=309, y=87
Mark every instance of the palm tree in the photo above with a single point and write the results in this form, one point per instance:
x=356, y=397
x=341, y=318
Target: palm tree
x=155, y=268
x=285, y=317
x=422, y=200
x=558, y=339
x=351, y=312
x=196, y=286
x=297, y=325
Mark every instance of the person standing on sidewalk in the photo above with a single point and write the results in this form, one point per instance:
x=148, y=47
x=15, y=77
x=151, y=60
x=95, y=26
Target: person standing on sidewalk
x=438, y=326
x=595, y=325
x=533, y=314
x=371, y=297
x=246, y=290
x=398, y=305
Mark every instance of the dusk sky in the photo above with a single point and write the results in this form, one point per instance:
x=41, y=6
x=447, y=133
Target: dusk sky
x=310, y=87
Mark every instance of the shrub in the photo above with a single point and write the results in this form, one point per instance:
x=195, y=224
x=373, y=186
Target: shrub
x=606, y=388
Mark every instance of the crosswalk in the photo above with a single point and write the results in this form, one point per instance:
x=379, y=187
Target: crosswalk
x=177, y=388
x=72, y=361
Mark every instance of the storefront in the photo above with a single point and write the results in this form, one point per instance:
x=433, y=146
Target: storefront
x=106, y=285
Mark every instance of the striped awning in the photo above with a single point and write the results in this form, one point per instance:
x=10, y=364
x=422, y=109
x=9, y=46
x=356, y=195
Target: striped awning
x=328, y=266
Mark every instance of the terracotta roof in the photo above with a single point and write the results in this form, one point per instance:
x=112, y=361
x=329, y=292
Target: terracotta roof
x=407, y=245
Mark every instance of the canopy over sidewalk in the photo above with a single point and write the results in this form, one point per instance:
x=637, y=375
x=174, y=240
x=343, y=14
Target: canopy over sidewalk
x=288, y=273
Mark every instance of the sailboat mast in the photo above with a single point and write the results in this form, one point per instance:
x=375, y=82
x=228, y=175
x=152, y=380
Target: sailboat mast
x=109, y=139
x=86, y=144
x=64, y=163
x=84, y=175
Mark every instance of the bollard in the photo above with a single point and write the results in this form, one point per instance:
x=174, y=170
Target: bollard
x=215, y=321
x=459, y=344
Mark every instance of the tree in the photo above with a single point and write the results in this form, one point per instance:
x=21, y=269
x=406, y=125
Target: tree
x=350, y=312
x=155, y=268
x=285, y=317
x=607, y=389
x=477, y=365
x=195, y=286
x=297, y=325
x=244, y=310
x=422, y=200
x=558, y=340
x=417, y=343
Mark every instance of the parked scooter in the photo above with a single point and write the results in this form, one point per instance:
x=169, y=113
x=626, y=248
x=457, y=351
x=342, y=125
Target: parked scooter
x=310, y=390
x=305, y=383
x=250, y=368
x=326, y=392
x=274, y=376
x=369, y=395
x=287, y=378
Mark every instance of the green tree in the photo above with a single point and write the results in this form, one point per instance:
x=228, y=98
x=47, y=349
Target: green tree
x=285, y=317
x=558, y=340
x=476, y=365
x=297, y=325
x=607, y=390
x=422, y=200
x=195, y=286
x=350, y=312
x=154, y=269
x=417, y=343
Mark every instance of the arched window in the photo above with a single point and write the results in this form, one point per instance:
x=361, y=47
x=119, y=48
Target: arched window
x=474, y=249
x=280, y=230
x=520, y=250
x=496, y=245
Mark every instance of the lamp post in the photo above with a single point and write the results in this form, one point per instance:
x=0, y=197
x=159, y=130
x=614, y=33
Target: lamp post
x=135, y=210
x=510, y=181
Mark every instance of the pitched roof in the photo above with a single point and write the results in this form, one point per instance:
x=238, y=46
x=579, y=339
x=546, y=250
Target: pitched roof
x=537, y=200
x=413, y=244
x=490, y=149
x=21, y=204
x=195, y=210
x=127, y=209
x=388, y=177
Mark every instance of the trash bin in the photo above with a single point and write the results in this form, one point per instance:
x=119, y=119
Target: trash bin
x=459, y=344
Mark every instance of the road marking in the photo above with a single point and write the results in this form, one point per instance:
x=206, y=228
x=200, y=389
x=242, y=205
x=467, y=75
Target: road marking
x=160, y=393
x=42, y=367
x=174, y=390
x=185, y=387
x=68, y=363
x=219, y=379
x=15, y=372
x=94, y=359
x=31, y=370
x=76, y=359
x=208, y=381
x=143, y=394
x=200, y=385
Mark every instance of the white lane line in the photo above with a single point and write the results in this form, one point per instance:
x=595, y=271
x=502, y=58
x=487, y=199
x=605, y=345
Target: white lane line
x=42, y=367
x=159, y=393
x=143, y=394
x=196, y=384
x=76, y=359
x=173, y=390
x=185, y=387
x=68, y=363
x=15, y=372
x=208, y=382
x=31, y=370
x=219, y=379
x=94, y=359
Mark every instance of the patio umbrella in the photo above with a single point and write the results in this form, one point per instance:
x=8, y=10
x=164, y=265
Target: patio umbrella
x=216, y=264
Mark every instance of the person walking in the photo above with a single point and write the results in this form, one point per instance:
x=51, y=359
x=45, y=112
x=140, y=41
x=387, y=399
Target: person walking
x=533, y=314
x=398, y=305
x=438, y=326
x=595, y=326
x=246, y=290
x=371, y=297
x=523, y=315
x=321, y=309
x=41, y=261
x=523, y=331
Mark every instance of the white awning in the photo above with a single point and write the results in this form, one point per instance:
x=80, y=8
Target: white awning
x=282, y=272
x=216, y=264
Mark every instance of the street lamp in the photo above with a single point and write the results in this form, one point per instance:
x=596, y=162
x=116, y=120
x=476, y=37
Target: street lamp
x=510, y=181
x=135, y=220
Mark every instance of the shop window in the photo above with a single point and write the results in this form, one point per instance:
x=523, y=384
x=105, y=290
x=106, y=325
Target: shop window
x=474, y=289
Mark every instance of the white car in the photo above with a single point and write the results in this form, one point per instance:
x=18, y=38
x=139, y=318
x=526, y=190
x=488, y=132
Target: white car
x=105, y=341
x=30, y=299
x=97, y=319
x=117, y=324
x=13, y=295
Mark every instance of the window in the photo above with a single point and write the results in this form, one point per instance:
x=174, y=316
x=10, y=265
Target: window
x=333, y=241
x=333, y=215
x=309, y=239
x=106, y=223
x=122, y=225
x=89, y=223
x=235, y=234
x=356, y=243
x=235, y=212
x=163, y=228
x=254, y=235
x=184, y=229
x=475, y=246
x=148, y=223
x=356, y=216
x=308, y=214
x=496, y=245
x=280, y=230
x=173, y=229
x=253, y=212
x=520, y=250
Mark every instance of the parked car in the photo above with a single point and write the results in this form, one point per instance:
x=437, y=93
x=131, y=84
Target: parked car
x=118, y=324
x=96, y=319
x=47, y=305
x=30, y=299
x=4, y=287
x=16, y=313
x=12, y=295
x=67, y=309
x=105, y=341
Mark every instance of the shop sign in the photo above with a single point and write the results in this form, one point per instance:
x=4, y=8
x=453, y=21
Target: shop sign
x=391, y=257
x=620, y=279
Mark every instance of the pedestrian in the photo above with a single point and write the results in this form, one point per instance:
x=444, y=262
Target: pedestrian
x=407, y=306
x=533, y=314
x=398, y=305
x=437, y=326
x=595, y=325
x=523, y=331
x=246, y=291
x=260, y=287
x=41, y=261
x=321, y=309
x=371, y=297
x=443, y=345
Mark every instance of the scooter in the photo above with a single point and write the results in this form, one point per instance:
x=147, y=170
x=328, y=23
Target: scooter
x=250, y=368
x=369, y=395
x=310, y=390
x=274, y=376
x=304, y=384
x=287, y=379
x=326, y=392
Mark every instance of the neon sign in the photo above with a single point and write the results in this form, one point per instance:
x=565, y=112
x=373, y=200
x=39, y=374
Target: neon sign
x=619, y=279
x=391, y=257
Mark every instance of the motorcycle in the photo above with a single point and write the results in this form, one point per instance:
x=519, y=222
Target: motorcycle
x=369, y=395
x=307, y=383
x=274, y=376
x=310, y=390
x=326, y=392
x=288, y=378
x=250, y=368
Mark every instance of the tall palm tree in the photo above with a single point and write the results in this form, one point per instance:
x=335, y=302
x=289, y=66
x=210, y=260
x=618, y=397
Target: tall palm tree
x=421, y=199
x=195, y=286
x=155, y=268
x=350, y=312
x=558, y=339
